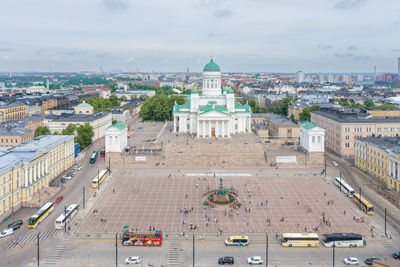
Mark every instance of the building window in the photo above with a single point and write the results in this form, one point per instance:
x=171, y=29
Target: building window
x=313, y=139
x=347, y=145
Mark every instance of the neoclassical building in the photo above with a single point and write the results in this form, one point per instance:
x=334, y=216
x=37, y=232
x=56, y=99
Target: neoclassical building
x=213, y=112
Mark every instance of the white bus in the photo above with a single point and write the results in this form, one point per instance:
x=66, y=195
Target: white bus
x=344, y=187
x=343, y=240
x=99, y=179
x=300, y=240
x=70, y=213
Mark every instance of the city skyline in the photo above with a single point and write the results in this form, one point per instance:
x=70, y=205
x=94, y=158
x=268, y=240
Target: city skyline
x=342, y=36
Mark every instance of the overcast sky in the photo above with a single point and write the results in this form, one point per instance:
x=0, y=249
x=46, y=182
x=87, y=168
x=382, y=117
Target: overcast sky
x=171, y=35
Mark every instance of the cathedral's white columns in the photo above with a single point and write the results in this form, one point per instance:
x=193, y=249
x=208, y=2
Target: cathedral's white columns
x=216, y=128
x=249, y=124
x=229, y=130
x=30, y=175
x=223, y=128
x=209, y=128
x=47, y=165
x=26, y=177
x=204, y=128
x=174, y=124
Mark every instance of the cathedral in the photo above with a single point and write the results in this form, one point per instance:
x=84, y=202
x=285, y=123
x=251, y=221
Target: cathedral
x=213, y=112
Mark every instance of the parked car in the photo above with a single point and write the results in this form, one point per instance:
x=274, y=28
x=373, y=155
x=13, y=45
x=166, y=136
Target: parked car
x=72, y=173
x=370, y=260
x=67, y=177
x=334, y=163
x=228, y=260
x=15, y=225
x=6, y=232
x=77, y=167
x=133, y=260
x=351, y=261
x=396, y=255
x=63, y=181
x=58, y=200
x=255, y=260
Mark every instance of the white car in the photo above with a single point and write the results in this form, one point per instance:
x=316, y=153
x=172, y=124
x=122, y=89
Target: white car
x=67, y=177
x=350, y=261
x=334, y=163
x=255, y=260
x=7, y=232
x=133, y=260
x=77, y=167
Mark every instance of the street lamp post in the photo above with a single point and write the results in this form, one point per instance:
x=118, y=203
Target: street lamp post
x=38, y=254
x=65, y=218
x=193, y=250
x=116, y=249
x=333, y=257
x=266, y=250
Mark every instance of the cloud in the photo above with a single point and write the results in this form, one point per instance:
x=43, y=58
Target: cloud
x=74, y=53
x=351, y=55
x=166, y=61
x=396, y=50
x=114, y=4
x=352, y=48
x=348, y=4
x=102, y=54
x=6, y=57
x=222, y=13
x=324, y=47
x=5, y=49
x=131, y=59
x=55, y=58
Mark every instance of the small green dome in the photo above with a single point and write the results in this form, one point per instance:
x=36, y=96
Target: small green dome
x=211, y=66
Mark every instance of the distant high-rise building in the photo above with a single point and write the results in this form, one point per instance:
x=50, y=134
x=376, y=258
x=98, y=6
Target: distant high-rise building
x=321, y=78
x=345, y=78
x=299, y=76
x=398, y=69
x=330, y=78
x=47, y=84
x=360, y=78
x=374, y=73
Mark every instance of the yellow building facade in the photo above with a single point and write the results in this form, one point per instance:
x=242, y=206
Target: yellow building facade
x=13, y=111
x=379, y=157
x=27, y=168
x=48, y=104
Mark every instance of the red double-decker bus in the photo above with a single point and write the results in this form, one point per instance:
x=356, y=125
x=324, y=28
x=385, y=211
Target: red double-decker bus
x=134, y=238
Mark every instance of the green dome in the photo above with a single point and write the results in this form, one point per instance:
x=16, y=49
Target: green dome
x=212, y=66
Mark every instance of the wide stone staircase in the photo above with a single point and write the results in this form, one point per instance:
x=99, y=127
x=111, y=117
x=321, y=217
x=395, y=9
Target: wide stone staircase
x=210, y=155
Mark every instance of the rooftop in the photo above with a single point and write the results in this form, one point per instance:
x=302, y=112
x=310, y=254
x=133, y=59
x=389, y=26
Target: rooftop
x=388, y=144
x=282, y=121
x=119, y=125
x=77, y=117
x=25, y=152
x=343, y=115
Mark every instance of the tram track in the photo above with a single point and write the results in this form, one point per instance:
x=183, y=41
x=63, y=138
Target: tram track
x=379, y=209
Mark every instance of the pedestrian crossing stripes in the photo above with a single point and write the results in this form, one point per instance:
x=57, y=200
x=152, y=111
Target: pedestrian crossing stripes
x=56, y=254
x=389, y=246
x=174, y=254
x=29, y=239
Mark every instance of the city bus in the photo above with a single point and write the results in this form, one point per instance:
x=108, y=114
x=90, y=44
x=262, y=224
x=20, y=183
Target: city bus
x=99, y=179
x=71, y=211
x=40, y=214
x=237, y=241
x=300, y=240
x=93, y=157
x=135, y=238
x=343, y=240
x=344, y=187
x=363, y=204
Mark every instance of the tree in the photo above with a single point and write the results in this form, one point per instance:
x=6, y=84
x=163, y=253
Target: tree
x=305, y=114
x=292, y=118
x=281, y=106
x=159, y=107
x=85, y=134
x=344, y=103
x=123, y=98
x=368, y=103
x=41, y=130
x=114, y=121
x=314, y=108
x=70, y=130
x=113, y=100
x=133, y=97
x=386, y=106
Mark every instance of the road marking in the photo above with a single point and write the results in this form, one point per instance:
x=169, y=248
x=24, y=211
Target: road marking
x=210, y=174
